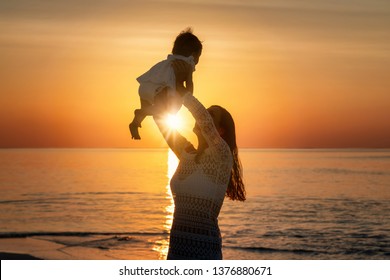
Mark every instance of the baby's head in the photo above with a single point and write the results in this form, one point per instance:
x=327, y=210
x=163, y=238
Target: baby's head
x=187, y=44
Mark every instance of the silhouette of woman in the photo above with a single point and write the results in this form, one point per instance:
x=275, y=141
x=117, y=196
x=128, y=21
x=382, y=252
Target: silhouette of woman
x=204, y=176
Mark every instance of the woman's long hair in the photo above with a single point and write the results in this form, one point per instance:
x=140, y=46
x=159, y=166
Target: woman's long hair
x=236, y=188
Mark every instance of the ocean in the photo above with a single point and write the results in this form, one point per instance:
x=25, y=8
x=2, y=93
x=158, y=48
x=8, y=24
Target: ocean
x=116, y=203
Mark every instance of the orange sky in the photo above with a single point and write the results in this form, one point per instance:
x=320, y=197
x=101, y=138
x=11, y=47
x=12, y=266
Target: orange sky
x=294, y=74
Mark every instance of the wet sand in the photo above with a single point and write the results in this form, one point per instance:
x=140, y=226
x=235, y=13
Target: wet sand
x=52, y=248
x=14, y=256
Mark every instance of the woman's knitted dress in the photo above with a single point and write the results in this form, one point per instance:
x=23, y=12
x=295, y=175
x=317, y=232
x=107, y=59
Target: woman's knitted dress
x=198, y=189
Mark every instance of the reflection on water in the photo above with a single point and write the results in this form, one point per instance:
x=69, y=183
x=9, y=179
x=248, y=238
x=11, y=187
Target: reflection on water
x=162, y=246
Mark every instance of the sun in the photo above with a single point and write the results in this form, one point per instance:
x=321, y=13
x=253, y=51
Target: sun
x=174, y=121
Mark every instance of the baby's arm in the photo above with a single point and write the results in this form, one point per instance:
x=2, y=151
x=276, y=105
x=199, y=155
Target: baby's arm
x=183, y=73
x=190, y=83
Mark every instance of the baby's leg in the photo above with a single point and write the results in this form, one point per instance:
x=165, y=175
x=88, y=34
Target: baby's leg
x=161, y=102
x=139, y=116
x=146, y=110
x=167, y=103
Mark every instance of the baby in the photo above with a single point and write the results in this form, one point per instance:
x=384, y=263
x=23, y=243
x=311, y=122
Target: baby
x=158, y=85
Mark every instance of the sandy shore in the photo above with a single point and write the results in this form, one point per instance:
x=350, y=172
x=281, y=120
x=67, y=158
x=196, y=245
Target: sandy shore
x=28, y=248
x=52, y=248
x=14, y=256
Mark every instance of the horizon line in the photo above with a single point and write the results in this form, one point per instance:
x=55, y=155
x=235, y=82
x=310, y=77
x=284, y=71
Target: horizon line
x=164, y=148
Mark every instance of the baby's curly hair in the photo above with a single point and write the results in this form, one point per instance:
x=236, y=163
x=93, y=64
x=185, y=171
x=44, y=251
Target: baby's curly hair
x=186, y=43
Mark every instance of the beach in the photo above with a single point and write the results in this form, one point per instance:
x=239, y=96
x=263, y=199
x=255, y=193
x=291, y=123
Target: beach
x=14, y=256
x=41, y=247
x=36, y=248
x=26, y=249
x=100, y=204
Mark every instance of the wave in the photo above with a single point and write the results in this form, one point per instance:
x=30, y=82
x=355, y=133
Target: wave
x=35, y=200
x=75, y=233
x=44, y=198
x=275, y=250
x=355, y=252
x=343, y=171
x=100, y=193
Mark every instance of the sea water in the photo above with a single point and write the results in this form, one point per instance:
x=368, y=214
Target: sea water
x=301, y=204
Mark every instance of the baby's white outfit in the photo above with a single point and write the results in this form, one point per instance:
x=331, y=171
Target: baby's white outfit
x=161, y=76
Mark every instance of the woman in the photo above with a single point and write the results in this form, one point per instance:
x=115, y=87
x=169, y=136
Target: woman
x=203, y=177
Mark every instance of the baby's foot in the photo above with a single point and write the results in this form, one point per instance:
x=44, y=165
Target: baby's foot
x=134, y=131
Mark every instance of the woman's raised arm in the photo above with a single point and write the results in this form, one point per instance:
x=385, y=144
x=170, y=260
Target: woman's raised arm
x=198, y=111
x=174, y=139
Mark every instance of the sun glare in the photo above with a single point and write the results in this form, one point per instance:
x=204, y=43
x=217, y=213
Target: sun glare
x=161, y=246
x=174, y=121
